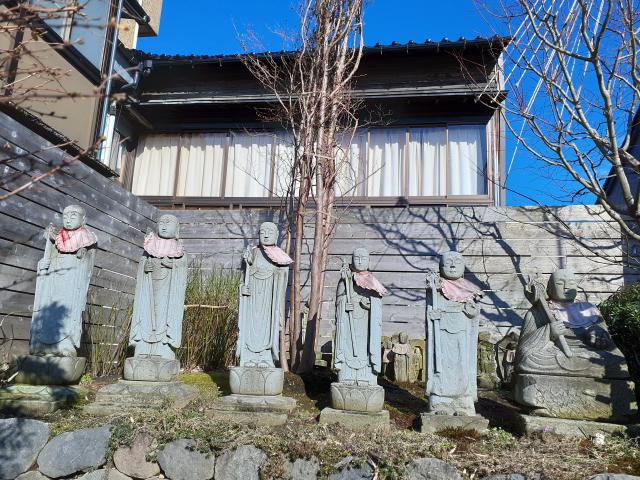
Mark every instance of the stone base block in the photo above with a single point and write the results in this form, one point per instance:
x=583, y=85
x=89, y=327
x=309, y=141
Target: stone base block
x=357, y=398
x=356, y=420
x=151, y=369
x=133, y=395
x=528, y=424
x=256, y=380
x=37, y=400
x=258, y=409
x=432, y=423
x=575, y=398
x=49, y=370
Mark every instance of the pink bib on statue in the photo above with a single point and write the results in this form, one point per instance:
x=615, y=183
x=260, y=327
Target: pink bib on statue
x=367, y=281
x=575, y=314
x=163, y=247
x=277, y=255
x=458, y=290
x=70, y=241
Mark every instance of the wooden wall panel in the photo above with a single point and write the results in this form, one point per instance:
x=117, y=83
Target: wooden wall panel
x=119, y=219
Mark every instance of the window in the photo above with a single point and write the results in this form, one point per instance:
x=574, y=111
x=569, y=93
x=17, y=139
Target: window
x=434, y=161
x=85, y=30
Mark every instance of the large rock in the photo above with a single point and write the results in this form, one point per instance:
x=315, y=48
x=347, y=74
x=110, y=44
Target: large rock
x=614, y=476
x=180, y=461
x=32, y=475
x=364, y=472
x=243, y=463
x=132, y=460
x=302, y=469
x=73, y=452
x=104, y=474
x=431, y=469
x=20, y=442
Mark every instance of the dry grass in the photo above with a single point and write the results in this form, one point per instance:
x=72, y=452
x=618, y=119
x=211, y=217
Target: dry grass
x=473, y=455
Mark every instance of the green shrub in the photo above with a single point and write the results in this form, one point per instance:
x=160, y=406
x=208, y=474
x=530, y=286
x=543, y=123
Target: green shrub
x=210, y=322
x=621, y=311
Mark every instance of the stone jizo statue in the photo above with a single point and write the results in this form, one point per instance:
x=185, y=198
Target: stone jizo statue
x=416, y=371
x=566, y=363
x=452, y=339
x=158, y=308
x=62, y=284
x=358, y=322
x=401, y=351
x=262, y=300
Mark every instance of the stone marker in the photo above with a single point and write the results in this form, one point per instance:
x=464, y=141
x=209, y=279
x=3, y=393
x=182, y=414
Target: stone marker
x=256, y=383
x=567, y=365
x=156, y=328
x=21, y=440
x=73, y=452
x=487, y=364
x=401, y=353
x=62, y=283
x=243, y=463
x=356, y=398
x=452, y=344
x=180, y=460
x=416, y=370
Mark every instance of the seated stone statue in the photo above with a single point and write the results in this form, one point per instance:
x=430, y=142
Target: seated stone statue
x=158, y=307
x=566, y=363
x=452, y=339
x=62, y=285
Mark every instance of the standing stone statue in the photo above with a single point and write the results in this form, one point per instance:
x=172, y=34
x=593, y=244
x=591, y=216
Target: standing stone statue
x=357, y=351
x=150, y=376
x=158, y=306
x=262, y=300
x=452, y=339
x=566, y=363
x=416, y=371
x=62, y=283
x=401, y=351
x=487, y=364
x=256, y=384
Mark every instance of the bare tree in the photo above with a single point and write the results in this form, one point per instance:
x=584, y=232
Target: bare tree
x=311, y=86
x=573, y=79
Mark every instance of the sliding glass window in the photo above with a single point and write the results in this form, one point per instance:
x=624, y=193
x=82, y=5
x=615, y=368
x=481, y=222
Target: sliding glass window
x=432, y=161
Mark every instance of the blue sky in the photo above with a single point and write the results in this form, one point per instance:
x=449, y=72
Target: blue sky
x=213, y=26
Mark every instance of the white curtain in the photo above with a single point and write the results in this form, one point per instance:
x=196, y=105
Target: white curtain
x=385, y=161
x=348, y=161
x=467, y=160
x=155, y=168
x=427, y=161
x=201, y=165
x=284, y=160
x=249, y=165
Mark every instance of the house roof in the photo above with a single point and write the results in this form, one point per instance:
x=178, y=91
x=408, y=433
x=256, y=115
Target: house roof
x=495, y=42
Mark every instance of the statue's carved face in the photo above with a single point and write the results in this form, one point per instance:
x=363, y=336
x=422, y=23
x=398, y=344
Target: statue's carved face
x=360, y=260
x=403, y=337
x=167, y=226
x=73, y=217
x=268, y=234
x=452, y=265
x=563, y=286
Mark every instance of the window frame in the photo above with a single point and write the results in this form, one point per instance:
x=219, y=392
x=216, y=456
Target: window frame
x=360, y=196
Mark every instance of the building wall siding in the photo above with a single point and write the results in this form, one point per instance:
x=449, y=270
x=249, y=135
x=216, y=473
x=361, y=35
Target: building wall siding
x=503, y=247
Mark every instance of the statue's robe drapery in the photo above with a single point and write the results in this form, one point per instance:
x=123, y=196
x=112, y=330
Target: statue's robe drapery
x=61, y=293
x=537, y=353
x=261, y=313
x=358, y=357
x=158, y=306
x=452, y=343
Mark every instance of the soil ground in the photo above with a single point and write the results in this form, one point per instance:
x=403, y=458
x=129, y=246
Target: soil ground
x=475, y=456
